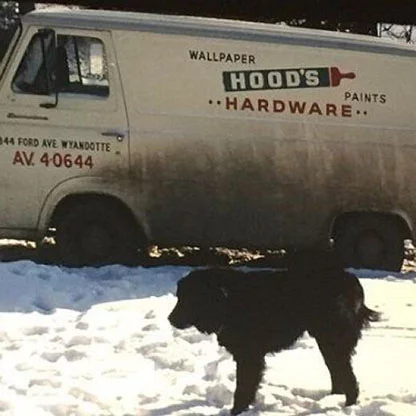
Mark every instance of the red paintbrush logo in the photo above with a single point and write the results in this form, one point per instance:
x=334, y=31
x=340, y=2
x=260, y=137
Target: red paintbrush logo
x=336, y=76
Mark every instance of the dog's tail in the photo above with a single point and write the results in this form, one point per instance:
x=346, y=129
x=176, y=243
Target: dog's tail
x=367, y=315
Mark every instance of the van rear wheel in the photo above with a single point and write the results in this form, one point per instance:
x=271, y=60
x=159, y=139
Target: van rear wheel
x=94, y=234
x=371, y=243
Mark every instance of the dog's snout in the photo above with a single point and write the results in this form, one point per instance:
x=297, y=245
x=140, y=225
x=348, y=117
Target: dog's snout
x=171, y=318
x=176, y=320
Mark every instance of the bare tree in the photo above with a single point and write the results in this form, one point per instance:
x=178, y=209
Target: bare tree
x=405, y=33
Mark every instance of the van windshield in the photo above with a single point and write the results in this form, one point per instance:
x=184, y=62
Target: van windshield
x=33, y=75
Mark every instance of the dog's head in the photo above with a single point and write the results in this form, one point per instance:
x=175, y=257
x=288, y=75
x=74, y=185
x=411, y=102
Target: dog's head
x=202, y=300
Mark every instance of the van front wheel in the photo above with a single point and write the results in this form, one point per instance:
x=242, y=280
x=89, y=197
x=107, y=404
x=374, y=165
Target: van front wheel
x=91, y=234
x=371, y=243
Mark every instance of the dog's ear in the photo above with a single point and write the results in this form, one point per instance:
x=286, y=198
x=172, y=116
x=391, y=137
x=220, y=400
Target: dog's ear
x=206, y=293
x=203, y=297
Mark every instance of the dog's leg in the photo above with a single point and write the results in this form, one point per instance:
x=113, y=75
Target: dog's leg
x=250, y=369
x=338, y=360
x=329, y=358
x=350, y=382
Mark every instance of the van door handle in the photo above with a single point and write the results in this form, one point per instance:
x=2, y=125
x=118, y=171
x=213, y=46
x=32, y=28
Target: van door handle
x=111, y=133
x=26, y=116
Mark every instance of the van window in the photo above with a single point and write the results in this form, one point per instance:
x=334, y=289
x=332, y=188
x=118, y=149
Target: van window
x=82, y=62
x=31, y=75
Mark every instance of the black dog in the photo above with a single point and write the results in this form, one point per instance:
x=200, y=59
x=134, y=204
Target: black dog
x=260, y=312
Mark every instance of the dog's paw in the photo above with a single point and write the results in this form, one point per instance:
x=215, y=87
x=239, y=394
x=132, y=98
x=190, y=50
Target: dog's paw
x=350, y=401
x=236, y=410
x=351, y=397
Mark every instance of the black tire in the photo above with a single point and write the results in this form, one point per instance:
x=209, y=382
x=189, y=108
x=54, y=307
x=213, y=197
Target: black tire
x=371, y=242
x=93, y=234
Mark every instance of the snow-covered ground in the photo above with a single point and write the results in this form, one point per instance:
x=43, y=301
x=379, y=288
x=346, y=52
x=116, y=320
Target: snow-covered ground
x=97, y=342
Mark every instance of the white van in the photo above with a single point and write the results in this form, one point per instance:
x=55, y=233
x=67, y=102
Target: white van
x=119, y=130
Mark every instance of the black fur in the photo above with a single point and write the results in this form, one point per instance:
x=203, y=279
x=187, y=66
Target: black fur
x=266, y=311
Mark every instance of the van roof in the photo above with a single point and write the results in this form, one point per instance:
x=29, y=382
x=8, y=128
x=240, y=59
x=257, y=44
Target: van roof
x=215, y=28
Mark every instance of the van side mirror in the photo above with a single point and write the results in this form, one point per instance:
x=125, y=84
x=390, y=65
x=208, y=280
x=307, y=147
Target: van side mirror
x=61, y=69
x=49, y=50
x=61, y=72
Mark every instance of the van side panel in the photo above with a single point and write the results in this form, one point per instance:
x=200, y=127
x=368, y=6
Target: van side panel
x=263, y=144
